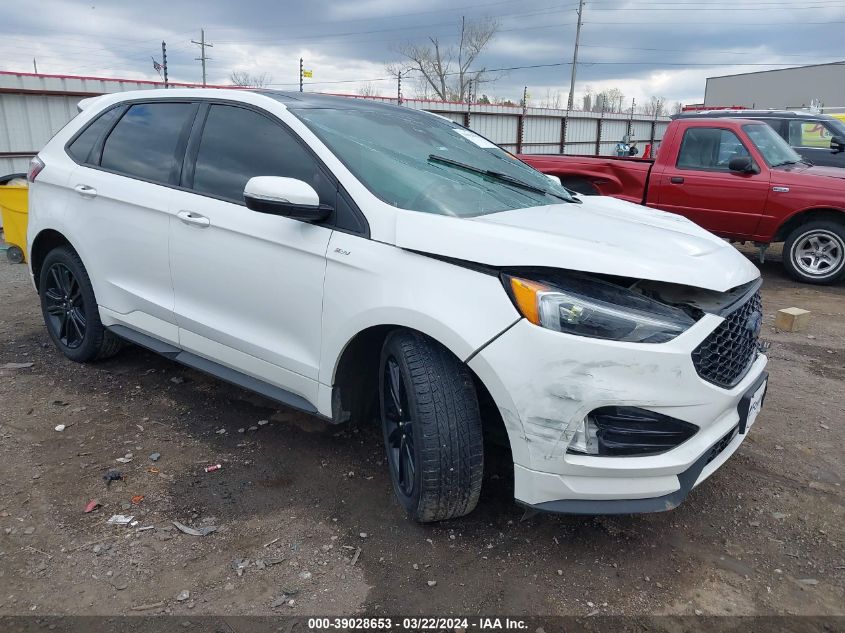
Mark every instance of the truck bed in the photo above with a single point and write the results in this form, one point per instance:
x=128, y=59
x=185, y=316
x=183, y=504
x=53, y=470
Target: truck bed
x=624, y=178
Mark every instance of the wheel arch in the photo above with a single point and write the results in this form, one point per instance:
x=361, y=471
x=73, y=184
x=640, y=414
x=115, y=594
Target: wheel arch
x=355, y=381
x=805, y=216
x=44, y=242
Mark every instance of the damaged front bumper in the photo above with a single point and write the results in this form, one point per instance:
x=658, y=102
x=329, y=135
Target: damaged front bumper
x=545, y=383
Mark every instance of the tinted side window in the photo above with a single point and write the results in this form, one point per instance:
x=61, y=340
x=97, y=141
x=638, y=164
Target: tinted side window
x=810, y=134
x=144, y=142
x=238, y=144
x=709, y=148
x=81, y=148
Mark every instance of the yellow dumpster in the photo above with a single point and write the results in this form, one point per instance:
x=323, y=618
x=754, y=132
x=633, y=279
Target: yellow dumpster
x=13, y=208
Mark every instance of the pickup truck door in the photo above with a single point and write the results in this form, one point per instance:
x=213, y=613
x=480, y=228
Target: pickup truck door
x=700, y=186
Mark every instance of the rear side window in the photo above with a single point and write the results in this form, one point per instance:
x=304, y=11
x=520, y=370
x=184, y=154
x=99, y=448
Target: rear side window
x=81, y=148
x=709, y=149
x=144, y=142
x=238, y=144
x=810, y=134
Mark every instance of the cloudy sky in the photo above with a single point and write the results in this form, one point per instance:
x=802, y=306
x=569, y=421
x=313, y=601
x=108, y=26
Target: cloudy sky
x=642, y=47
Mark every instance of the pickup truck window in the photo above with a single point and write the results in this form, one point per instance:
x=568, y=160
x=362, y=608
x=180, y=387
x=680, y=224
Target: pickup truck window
x=709, y=148
x=774, y=149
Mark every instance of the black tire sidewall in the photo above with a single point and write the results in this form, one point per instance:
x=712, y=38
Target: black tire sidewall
x=393, y=348
x=93, y=327
x=789, y=264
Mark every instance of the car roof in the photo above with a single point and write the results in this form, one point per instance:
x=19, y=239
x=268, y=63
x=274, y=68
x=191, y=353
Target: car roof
x=303, y=100
x=752, y=114
x=291, y=100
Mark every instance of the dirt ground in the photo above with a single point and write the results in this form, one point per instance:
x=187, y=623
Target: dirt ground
x=306, y=522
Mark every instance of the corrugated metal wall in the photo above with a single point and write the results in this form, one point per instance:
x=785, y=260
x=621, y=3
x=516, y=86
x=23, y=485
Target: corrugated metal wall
x=27, y=122
x=34, y=107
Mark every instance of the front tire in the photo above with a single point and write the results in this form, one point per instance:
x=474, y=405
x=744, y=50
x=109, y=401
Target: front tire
x=70, y=308
x=432, y=427
x=815, y=252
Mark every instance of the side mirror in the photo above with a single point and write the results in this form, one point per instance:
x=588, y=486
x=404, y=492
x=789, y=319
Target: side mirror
x=633, y=151
x=837, y=144
x=742, y=164
x=287, y=197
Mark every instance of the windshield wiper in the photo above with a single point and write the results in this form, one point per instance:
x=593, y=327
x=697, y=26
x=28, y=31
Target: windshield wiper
x=497, y=175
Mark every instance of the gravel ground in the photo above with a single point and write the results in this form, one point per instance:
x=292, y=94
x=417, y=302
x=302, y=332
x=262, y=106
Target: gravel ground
x=305, y=519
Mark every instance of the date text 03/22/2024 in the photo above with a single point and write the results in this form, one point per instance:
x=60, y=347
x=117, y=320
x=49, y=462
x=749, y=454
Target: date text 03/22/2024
x=418, y=624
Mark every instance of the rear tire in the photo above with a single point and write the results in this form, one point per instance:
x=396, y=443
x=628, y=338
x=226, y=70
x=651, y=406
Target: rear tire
x=432, y=427
x=70, y=309
x=814, y=253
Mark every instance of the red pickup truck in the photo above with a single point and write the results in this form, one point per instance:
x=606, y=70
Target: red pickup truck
x=736, y=178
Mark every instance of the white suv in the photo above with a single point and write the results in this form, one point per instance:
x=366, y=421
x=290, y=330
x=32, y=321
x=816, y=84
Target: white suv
x=363, y=261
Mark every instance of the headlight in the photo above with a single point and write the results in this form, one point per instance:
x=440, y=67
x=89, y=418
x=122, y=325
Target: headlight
x=587, y=306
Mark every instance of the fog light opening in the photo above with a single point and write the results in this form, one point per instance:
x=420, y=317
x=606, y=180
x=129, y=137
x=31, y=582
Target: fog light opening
x=628, y=431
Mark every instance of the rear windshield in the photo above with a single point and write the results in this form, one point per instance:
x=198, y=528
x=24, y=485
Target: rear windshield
x=408, y=159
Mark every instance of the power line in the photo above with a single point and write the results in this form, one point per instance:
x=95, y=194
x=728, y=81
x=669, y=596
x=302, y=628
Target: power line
x=536, y=66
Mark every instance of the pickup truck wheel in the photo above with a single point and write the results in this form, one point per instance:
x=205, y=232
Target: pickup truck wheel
x=815, y=252
x=70, y=309
x=432, y=428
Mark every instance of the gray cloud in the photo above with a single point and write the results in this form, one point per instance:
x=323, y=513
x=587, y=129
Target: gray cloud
x=647, y=47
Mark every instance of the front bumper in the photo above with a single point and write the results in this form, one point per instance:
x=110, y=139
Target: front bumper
x=545, y=382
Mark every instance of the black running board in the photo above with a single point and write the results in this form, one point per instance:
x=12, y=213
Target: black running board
x=215, y=369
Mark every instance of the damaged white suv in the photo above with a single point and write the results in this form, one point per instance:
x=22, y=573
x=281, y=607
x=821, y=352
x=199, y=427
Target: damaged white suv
x=363, y=261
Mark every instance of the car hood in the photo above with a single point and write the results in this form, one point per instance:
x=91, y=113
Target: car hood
x=799, y=173
x=600, y=235
x=830, y=172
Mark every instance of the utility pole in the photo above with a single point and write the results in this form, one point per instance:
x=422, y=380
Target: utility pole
x=399, y=88
x=34, y=66
x=164, y=61
x=301, y=70
x=203, y=58
x=575, y=56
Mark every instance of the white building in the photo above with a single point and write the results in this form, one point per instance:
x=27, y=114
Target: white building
x=786, y=88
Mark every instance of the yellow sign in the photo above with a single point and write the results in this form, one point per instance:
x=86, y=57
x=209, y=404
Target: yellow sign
x=307, y=74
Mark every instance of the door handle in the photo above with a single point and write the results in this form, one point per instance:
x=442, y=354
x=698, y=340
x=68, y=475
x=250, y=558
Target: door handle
x=85, y=191
x=677, y=180
x=194, y=219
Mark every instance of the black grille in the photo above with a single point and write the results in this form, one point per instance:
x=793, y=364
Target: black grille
x=725, y=356
x=722, y=444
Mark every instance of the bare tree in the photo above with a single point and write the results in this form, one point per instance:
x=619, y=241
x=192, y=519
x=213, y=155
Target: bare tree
x=246, y=80
x=609, y=100
x=553, y=99
x=368, y=90
x=448, y=71
x=677, y=108
x=654, y=107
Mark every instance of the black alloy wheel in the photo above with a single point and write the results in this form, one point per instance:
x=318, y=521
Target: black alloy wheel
x=398, y=428
x=65, y=306
x=70, y=309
